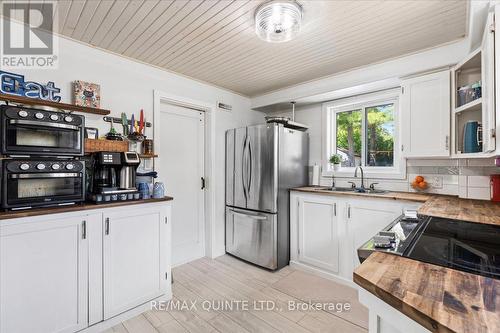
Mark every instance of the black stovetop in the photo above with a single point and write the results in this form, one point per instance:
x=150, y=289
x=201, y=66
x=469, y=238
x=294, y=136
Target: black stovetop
x=465, y=246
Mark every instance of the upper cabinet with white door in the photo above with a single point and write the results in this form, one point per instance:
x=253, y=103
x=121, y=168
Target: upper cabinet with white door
x=473, y=99
x=426, y=115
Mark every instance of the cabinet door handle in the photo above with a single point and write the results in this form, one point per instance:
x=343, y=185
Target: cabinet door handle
x=447, y=142
x=84, y=229
x=335, y=209
x=106, y=226
x=348, y=212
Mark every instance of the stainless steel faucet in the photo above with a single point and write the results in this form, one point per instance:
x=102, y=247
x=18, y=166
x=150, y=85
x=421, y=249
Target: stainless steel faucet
x=362, y=176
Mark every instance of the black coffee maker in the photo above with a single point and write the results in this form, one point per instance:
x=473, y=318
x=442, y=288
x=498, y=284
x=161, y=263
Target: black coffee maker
x=108, y=179
x=106, y=171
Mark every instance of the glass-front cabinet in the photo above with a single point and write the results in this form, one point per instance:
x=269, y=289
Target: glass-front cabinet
x=473, y=100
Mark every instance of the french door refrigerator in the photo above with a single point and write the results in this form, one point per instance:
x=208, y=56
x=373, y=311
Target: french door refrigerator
x=263, y=163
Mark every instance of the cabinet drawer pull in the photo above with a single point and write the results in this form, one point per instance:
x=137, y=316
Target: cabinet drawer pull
x=106, y=226
x=335, y=209
x=84, y=229
x=349, y=212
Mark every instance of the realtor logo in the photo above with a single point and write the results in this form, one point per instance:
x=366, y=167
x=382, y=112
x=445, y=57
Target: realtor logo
x=27, y=35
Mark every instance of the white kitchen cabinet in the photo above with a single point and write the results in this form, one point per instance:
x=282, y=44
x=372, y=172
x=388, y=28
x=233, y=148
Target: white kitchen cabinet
x=318, y=232
x=425, y=113
x=327, y=230
x=71, y=272
x=134, y=252
x=43, y=276
x=364, y=219
x=478, y=66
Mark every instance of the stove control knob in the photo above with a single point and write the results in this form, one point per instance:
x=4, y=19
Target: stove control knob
x=24, y=166
x=40, y=166
x=22, y=114
x=54, y=117
x=56, y=166
x=70, y=166
x=39, y=115
x=68, y=119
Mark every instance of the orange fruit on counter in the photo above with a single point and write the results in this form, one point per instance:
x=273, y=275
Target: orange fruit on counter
x=419, y=179
x=414, y=184
x=422, y=185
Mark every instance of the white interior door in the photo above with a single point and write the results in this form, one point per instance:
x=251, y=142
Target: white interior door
x=181, y=168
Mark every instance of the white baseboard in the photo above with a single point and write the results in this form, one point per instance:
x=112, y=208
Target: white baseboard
x=104, y=325
x=220, y=251
x=323, y=274
x=187, y=260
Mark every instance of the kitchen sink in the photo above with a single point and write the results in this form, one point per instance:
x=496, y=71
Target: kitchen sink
x=376, y=191
x=370, y=191
x=351, y=189
x=340, y=189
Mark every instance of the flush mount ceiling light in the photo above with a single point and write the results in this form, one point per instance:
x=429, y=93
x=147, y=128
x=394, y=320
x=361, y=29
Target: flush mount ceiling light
x=278, y=21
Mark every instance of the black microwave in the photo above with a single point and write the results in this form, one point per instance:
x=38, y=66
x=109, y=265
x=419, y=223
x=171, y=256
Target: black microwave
x=27, y=131
x=30, y=183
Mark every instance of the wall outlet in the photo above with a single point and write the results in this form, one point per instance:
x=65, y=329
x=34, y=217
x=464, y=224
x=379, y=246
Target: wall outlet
x=436, y=181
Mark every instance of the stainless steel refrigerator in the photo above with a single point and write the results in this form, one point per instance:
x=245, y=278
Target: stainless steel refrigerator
x=263, y=163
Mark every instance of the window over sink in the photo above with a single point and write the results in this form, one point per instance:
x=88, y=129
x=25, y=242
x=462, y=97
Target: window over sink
x=364, y=131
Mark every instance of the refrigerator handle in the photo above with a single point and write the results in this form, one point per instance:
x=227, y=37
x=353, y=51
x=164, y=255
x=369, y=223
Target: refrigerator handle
x=248, y=215
x=250, y=163
x=243, y=167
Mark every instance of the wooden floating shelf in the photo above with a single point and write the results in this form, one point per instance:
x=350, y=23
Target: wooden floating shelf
x=148, y=155
x=61, y=106
x=475, y=104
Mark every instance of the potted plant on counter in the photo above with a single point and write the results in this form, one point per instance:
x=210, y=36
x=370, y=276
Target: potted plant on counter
x=336, y=159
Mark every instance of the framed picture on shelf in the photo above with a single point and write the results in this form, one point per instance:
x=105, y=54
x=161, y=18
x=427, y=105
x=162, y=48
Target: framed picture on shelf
x=87, y=94
x=91, y=133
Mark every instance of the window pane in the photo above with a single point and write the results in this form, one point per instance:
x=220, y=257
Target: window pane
x=349, y=137
x=380, y=135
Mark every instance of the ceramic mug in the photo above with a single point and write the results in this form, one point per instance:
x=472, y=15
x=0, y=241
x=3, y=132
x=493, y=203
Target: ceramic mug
x=158, y=190
x=144, y=190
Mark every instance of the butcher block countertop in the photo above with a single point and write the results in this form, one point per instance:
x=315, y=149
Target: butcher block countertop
x=74, y=208
x=438, y=298
x=387, y=195
x=479, y=211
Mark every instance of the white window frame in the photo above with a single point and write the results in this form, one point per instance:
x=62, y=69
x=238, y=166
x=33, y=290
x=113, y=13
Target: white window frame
x=329, y=135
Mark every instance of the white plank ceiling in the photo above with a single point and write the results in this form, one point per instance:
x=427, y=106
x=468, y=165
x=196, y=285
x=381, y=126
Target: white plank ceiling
x=214, y=41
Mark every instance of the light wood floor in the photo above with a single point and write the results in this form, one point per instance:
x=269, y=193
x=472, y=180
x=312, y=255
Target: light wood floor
x=207, y=281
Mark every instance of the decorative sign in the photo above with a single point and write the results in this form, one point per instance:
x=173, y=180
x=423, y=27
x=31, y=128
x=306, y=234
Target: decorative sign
x=14, y=84
x=87, y=94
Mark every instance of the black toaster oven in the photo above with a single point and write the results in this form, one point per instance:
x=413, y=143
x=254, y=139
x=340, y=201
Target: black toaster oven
x=27, y=131
x=30, y=183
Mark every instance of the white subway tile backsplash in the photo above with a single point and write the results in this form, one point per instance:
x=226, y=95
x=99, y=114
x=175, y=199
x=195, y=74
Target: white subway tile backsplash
x=462, y=181
x=432, y=163
x=480, y=193
x=462, y=192
x=481, y=162
x=478, y=181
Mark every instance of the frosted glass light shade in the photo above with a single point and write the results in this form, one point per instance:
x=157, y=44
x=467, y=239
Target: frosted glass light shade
x=278, y=21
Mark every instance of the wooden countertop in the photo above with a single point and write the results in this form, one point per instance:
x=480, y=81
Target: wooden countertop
x=388, y=195
x=74, y=208
x=438, y=298
x=479, y=211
